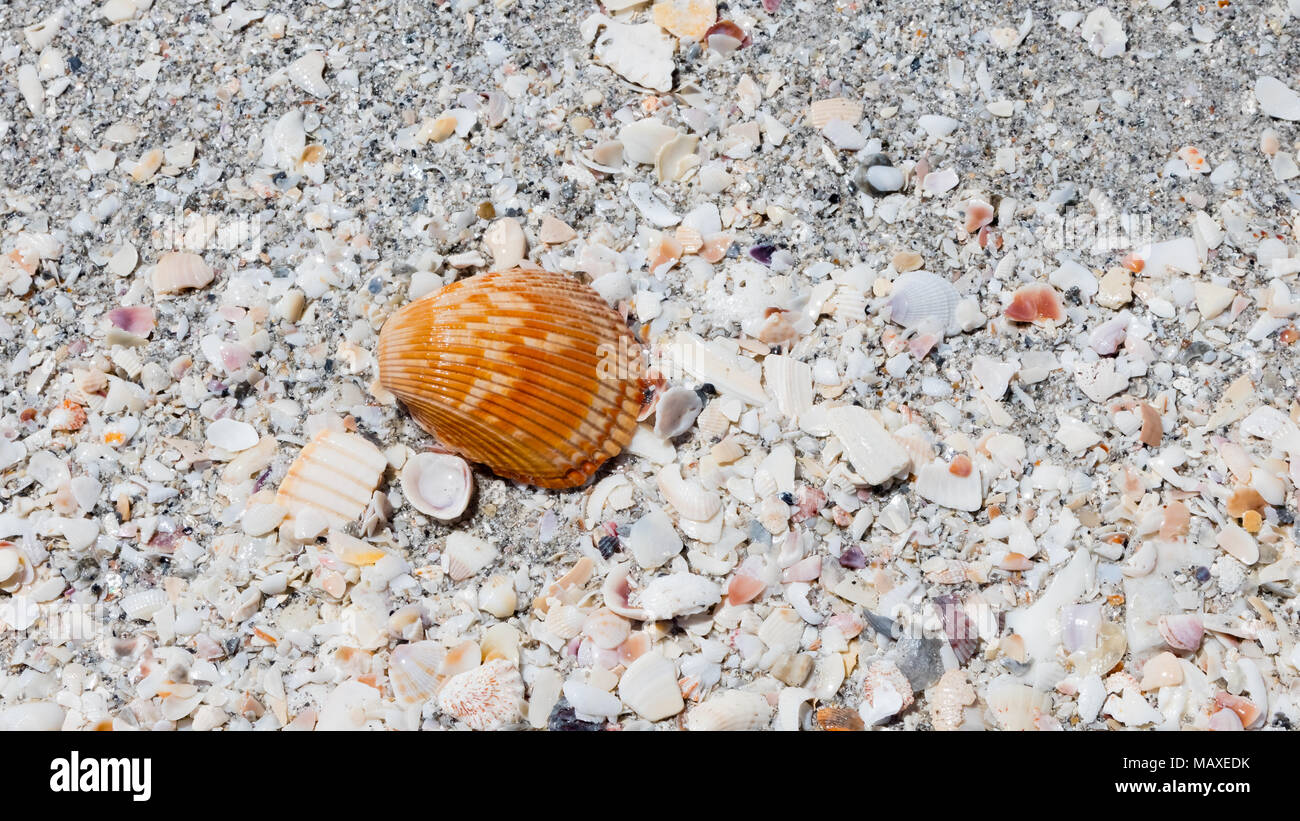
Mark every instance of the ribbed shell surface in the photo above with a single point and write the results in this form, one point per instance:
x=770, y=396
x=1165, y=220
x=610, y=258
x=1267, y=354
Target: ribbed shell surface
x=527, y=372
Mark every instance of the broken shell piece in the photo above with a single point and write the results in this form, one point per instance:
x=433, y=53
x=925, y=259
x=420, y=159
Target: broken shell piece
x=875, y=455
x=978, y=214
x=1182, y=632
x=1016, y=706
x=306, y=73
x=546, y=414
x=1039, y=304
x=649, y=687
x=497, y=596
x=730, y=711
x=488, y=697
x=679, y=594
x=554, y=231
x=1239, y=544
x=676, y=411
x=179, y=270
x=687, y=19
x=642, y=53
x=836, y=108
x=1212, y=300
x=464, y=555
x=506, y=243
x=334, y=475
x=676, y=158
x=147, y=165
x=643, y=140
x=956, y=485
x=653, y=541
x=1162, y=670
x=725, y=37
x=438, y=484
x=686, y=496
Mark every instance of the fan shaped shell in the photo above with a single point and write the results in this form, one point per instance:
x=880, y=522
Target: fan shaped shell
x=527, y=372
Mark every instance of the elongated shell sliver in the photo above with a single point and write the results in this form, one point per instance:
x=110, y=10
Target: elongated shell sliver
x=527, y=372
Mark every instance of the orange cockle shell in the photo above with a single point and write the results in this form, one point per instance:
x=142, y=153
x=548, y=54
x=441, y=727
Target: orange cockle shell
x=525, y=371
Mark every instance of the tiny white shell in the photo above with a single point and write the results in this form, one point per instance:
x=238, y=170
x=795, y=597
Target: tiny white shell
x=606, y=629
x=464, y=555
x=178, y=270
x=923, y=301
x=232, y=435
x=590, y=702
x=438, y=484
x=644, y=139
x=676, y=411
x=497, y=596
x=144, y=604
x=649, y=687
x=306, y=71
x=652, y=541
x=413, y=671
x=679, y=594
x=937, y=483
x=565, y=621
x=730, y=710
x=782, y=630
x=1182, y=631
x=485, y=698
x=686, y=496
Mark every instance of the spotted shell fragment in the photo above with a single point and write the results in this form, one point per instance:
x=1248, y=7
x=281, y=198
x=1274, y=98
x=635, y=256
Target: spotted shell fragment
x=527, y=372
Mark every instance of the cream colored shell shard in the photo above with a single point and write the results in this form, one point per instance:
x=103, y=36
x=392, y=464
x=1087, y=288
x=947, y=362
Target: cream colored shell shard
x=874, y=454
x=688, y=19
x=485, y=698
x=836, y=108
x=948, y=699
x=334, y=475
x=731, y=710
x=649, y=686
x=180, y=270
x=641, y=53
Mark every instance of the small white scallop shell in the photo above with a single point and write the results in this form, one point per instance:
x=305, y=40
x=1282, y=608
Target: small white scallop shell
x=606, y=629
x=438, y=484
x=730, y=711
x=676, y=411
x=782, y=630
x=464, y=555
x=923, y=301
x=413, y=671
x=686, y=496
x=649, y=687
x=565, y=621
x=306, y=73
x=485, y=698
x=178, y=270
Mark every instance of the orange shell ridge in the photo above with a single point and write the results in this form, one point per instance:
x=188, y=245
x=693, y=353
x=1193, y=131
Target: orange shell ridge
x=525, y=371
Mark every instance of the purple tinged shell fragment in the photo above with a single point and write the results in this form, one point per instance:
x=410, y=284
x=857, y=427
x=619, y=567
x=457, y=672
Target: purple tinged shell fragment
x=962, y=634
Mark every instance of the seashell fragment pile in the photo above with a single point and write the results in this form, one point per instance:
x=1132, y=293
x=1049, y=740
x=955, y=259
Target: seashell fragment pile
x=526, y=372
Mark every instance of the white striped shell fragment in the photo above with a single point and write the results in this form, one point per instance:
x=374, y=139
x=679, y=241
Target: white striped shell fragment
x=527, y=372
x=413, y=671
x=730, y=711
x=485, y=698
x=334, y=475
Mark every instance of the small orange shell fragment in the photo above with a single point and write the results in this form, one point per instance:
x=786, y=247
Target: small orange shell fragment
x=840, y=719
x=525, y=371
